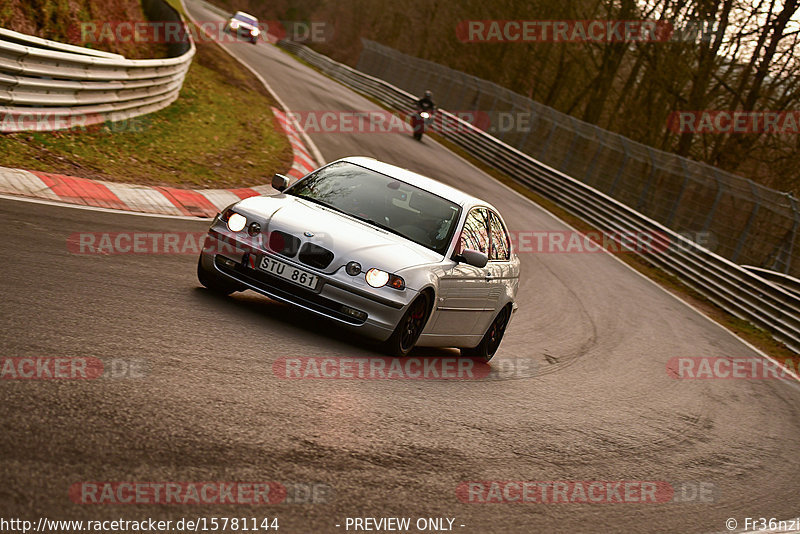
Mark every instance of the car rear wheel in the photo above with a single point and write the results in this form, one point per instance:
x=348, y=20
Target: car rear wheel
x=410, y=327
x=491, y=340
x=213, y=282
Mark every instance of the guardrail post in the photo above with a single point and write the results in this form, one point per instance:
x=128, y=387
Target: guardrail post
x=650, y=179
x=712, y=211
x=462, y=97
x=753, y=213
x=568, y=156
x=793, y=234
x=504, y=131
x=543, y=146
x=590, y=167
x=783, y=251
x=625, y=158
x=445, y=100
x=534, y=115
x=677, y=202
x=383, y=65
x=493, y=106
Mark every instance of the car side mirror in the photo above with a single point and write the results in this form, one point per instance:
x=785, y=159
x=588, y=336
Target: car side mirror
x=280, y=182
x=473, y=257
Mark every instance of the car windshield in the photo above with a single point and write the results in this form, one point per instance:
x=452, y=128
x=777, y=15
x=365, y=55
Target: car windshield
x=246, y=19
x=383, y=201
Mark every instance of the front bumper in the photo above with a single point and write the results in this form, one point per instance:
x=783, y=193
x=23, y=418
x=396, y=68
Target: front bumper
x=244, y=32
x=235, y=260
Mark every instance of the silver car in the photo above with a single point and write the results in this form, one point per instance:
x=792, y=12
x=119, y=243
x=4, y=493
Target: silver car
x=394, y=255
x=242, y=23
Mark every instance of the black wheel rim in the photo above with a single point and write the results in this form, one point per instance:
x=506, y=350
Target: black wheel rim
x=496, y=331
x=413, y=323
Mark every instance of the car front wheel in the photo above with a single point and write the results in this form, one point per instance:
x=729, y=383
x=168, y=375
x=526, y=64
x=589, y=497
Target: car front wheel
x=408, y=330
x=213, y=282
x=491, y=340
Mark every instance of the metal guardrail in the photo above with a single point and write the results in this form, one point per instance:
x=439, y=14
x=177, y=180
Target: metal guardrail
x=789, y=283
x=46, y=85
x=750, y=223
x=731, y=287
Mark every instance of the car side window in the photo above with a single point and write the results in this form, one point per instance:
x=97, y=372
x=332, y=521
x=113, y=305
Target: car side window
x=475, y=235
x=501, y=244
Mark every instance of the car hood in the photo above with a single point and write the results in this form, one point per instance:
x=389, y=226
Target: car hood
x=245, y=25
x=349, y=239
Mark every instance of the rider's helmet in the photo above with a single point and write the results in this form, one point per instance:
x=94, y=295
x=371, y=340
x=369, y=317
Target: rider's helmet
x=428, y=94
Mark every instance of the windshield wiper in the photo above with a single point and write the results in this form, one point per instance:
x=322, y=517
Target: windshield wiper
x=391, y=230
x=379, y=225
x=316, y=201
x=362, y=219
x=334, y=208
x=338, y=210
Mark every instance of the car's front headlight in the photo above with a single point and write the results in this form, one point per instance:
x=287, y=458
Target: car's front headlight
x=235, y=221
x=377, y=278
x=254, y=33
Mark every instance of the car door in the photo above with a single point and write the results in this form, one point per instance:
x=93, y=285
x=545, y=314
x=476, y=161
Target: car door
x=502, y=271
x=464, y=289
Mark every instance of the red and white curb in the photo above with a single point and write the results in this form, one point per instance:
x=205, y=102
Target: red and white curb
x=147, y=199
x=303, y=162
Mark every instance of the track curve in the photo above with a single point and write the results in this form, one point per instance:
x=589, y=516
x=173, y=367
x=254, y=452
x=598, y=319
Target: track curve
x=596, y=402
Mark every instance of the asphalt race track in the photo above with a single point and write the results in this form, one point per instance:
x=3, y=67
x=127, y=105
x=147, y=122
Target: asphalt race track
x=579, y=390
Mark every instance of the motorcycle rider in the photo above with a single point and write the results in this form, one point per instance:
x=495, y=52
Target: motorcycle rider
x=426, y=103
x=426, y=106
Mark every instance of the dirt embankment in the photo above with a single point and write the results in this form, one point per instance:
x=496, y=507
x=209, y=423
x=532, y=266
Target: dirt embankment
x=81, y=22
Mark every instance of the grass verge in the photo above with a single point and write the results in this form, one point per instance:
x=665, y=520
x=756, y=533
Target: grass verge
x=220, y=133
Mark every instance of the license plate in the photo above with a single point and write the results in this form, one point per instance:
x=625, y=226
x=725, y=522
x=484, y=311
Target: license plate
x=287, y=272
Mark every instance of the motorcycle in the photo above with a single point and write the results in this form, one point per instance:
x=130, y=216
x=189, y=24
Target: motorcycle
x=419, y=121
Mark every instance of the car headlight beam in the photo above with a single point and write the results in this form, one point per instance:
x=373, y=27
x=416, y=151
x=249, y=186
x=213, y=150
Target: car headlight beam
x=236, y=222
x=377, y=278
